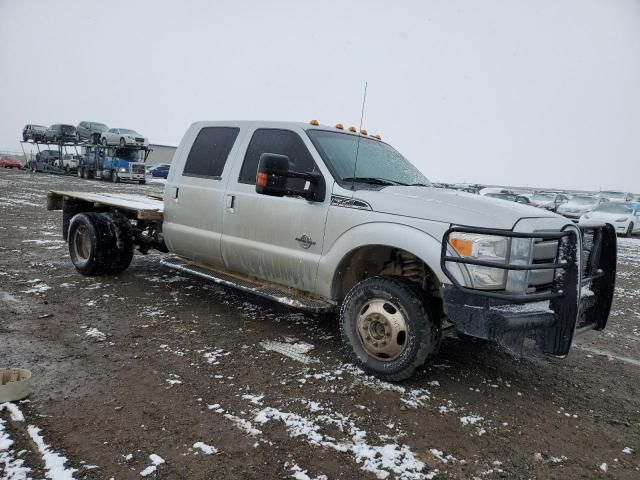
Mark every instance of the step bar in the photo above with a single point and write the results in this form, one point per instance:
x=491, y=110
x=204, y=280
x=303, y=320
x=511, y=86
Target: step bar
x=286, y=296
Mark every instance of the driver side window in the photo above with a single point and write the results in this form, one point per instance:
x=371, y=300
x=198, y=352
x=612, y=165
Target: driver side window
x=282, y=142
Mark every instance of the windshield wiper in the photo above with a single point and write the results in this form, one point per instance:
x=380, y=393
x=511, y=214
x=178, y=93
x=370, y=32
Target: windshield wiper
x=418, y=185
x=373, y=180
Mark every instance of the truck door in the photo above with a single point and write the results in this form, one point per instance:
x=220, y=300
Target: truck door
x=274, y=238
x=194, y=197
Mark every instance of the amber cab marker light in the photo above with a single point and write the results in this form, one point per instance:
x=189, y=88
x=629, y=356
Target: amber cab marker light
x=363, y=131
x=352, y=129
x=463, y=247
x=263, y=179
x=339, y=126
x=377, y=135
x=314, y=122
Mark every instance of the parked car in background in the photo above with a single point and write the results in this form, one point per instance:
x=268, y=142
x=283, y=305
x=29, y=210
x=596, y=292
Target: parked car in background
x=511, y=197
x=90, y=131
x=159, y=171
x=549, y=200
x=68, y=162
x=6, y=162
x=488, y=190
x=625, y=217
x=620, y=197
x=60, y=132
x=123, y=137
x=578, y=205
x=34, y=132
x=48, y=156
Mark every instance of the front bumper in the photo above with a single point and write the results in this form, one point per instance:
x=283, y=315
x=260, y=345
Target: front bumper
x=578, y=300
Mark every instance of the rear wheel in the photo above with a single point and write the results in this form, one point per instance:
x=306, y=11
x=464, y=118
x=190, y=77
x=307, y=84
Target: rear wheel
x=106, y=175
x=390, y=327
x=100, y=243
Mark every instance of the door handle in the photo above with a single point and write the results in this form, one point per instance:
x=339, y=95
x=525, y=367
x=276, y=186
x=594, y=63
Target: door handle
x=230, y=202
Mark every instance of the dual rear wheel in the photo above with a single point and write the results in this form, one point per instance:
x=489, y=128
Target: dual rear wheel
x=100, y=243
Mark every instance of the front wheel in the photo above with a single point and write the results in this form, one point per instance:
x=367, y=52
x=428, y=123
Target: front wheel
x=390, y=327
x=122, y=142
x=115, y=178
x=104, y=142
x=630, y=229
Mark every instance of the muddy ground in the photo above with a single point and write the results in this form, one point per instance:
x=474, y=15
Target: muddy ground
x=152, y=363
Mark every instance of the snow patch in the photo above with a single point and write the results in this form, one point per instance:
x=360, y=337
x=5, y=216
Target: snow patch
x=95, y=333
x=155, y=461
x=206, y=449
x=295, y=351
x=53, y=462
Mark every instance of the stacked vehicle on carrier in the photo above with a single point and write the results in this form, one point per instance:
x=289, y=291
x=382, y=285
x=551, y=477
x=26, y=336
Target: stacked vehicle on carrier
x=115, y=154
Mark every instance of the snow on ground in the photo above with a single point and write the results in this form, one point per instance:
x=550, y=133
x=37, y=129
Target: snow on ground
x=300, y=474
x=95, y=333
x=381, y=460
x=14, y=468
x=206, y=449
x=53, y=462
x=295, y=351
x=155, y=461
x=11, y=467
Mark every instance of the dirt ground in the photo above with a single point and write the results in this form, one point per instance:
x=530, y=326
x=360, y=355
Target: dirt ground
x=154, y=363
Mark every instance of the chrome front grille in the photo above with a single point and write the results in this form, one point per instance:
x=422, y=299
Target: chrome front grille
x=137, y=168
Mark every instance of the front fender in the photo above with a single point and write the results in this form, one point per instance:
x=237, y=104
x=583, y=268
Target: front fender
x=426, y=246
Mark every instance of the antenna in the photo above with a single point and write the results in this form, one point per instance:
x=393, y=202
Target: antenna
x=355, y=163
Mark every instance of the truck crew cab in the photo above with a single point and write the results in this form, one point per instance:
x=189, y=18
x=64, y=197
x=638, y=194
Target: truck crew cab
x=322, y=217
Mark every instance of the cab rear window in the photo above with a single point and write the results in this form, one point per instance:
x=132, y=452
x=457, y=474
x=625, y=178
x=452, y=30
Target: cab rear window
x=210, y=151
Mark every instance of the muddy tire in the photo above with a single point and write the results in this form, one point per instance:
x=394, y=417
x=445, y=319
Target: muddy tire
x=100, y=243
x=390, y=327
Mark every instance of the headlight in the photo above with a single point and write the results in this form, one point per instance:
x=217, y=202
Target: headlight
x=586, y=216
x=482, y=247
x=620, y=219
x=123, y=170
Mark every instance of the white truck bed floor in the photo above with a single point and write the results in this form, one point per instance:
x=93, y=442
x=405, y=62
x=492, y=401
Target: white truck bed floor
x=146, y=207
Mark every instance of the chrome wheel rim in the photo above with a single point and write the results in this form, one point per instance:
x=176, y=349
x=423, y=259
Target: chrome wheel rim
x=382, y=329
x=82, y=243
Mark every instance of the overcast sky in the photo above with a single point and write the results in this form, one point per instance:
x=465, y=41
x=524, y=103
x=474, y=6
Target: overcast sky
x=530, y=92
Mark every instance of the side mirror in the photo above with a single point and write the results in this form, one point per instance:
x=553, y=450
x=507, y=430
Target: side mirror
x=272, y=175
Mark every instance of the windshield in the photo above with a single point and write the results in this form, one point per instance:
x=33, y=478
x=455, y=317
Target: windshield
x=68, y=128
x=130, y=132
x=376, y=160
x=128, y=154
x=582, y=201
x=544, y=196
x=614, y=208
x=619, y=195
x=99, y=127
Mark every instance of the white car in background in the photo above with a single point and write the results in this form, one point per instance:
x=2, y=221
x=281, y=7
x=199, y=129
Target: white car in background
x=123, y=137
x=620, y=197
x=624, y=217
x=578, y=205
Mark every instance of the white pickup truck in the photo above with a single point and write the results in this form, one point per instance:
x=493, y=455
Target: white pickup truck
x=322, y=218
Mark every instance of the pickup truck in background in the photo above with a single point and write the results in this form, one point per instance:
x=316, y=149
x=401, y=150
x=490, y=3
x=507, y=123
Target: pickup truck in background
x=324, y=218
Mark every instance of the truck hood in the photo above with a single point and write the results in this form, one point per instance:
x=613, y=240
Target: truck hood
x=450, y=206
